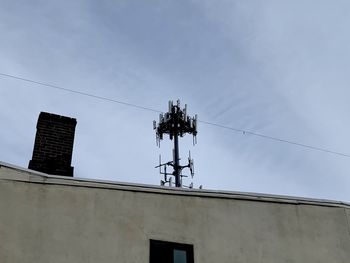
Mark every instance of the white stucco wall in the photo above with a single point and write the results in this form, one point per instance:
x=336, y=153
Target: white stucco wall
x=51, y=219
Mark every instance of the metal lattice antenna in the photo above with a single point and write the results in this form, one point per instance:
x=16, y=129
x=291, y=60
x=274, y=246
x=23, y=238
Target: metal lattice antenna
x=175, y=123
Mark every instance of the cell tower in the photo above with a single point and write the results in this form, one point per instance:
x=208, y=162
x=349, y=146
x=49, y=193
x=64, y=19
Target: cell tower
x=175, y=123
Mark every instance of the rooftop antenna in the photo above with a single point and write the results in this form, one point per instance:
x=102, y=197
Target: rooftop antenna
x=175, y=123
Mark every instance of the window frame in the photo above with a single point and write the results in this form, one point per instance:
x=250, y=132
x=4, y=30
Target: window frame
x=168, y=248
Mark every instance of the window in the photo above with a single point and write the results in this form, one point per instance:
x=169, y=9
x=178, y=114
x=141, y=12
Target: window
x=169, y=252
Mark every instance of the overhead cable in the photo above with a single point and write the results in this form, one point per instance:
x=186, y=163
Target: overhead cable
x=244, y=132
x=80, y=92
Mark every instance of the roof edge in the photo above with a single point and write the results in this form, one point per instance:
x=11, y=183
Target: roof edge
x=31, y=176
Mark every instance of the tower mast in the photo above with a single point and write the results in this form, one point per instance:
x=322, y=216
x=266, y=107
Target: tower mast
x=176, y=123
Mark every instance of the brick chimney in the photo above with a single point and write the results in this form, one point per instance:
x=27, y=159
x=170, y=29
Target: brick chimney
x=53, y=145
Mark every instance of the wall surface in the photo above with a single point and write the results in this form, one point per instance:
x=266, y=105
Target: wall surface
x=53, y=220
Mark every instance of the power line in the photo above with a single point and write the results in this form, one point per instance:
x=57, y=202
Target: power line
x=277, y=139
x=80, y=93
x=310, y=147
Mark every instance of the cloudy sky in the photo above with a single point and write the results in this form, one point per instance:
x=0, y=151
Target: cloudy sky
x=278, y=68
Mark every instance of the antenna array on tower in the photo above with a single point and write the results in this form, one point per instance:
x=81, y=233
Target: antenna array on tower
x=175, y=123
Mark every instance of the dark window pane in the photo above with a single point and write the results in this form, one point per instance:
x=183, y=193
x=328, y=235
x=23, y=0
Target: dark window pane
x=161, y=252
x=180, y=256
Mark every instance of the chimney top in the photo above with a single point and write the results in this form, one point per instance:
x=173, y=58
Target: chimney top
x=58, y=118
x=53, y=145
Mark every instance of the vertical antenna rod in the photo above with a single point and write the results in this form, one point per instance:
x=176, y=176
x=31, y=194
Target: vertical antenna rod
x=175, y=123
x=177, y=161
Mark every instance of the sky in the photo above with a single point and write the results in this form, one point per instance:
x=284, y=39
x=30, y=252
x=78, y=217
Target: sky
x=277, y=68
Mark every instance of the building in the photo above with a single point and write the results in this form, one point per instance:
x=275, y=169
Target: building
x=47, y=218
